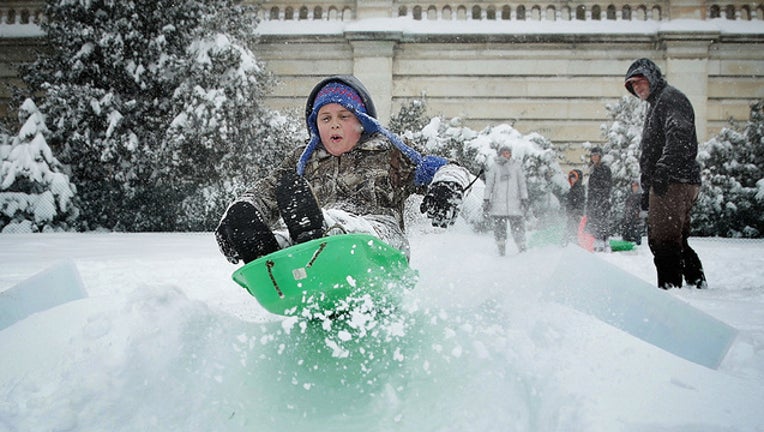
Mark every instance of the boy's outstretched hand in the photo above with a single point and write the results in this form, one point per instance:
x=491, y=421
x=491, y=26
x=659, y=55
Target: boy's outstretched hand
x=442, y=202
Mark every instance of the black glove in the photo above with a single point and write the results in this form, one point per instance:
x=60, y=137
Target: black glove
x=442, y=202
x=660, y=180
x=644, y=203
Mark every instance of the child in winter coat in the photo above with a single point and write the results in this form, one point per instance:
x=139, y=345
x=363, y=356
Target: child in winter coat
x=506, y=199
x=353, y=174
x=575, y=203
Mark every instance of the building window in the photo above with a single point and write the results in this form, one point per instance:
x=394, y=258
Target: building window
x=521, y=13
x=506, y=13
x=581, y=12
x=641, y=14
x=626, y=13
x=490, y=13
x=596, y=12
x=745, y=13
x=417, y=12
x=477, y=13
x=461, y=13
x=729, y=12
x=551, y=14
x=611, y=12
x=447, y=13
x=432, y=13
x=403, y=11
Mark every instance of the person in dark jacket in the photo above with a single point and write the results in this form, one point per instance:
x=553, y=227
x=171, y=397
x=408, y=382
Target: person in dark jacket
x=575, y=203
x=670, y=174
x=598, y=201
x=631, y=224
x=352, y=173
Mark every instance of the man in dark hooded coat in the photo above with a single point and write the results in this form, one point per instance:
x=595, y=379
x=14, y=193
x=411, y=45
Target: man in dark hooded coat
x=670, y=175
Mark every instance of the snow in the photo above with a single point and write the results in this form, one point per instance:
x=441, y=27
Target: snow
x=166, y=340
x=407, y=25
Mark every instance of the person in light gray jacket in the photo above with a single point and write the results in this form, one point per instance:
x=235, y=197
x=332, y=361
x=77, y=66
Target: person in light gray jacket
x=506, y=199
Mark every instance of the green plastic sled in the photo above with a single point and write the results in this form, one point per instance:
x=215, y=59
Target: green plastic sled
x=621, y=245
x=323, y=273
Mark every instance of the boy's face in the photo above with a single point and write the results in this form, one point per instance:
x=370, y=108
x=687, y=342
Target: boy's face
x=338, y=128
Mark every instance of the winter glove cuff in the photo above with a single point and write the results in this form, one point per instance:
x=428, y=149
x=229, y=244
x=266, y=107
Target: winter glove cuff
x=441, y=203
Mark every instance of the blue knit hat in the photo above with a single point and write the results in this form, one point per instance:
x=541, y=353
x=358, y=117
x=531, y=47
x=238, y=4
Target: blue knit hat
x=347, y=91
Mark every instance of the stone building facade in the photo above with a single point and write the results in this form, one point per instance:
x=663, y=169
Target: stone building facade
x=545, y=66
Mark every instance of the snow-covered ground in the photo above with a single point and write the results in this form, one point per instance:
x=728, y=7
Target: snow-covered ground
x=165, y=341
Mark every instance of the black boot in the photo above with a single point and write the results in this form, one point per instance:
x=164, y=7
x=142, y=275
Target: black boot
x=299, y=209
x=242, y=234
x=692, y=268
x=668, y=264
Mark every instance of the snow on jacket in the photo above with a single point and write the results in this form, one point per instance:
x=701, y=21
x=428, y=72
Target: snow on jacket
x=505, y=187
x=374, y=178
x=669, y=139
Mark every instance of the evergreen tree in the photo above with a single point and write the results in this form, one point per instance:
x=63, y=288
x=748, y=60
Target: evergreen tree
x=35, y=195
x=150, y=104
x=731, y=202
x=476, y=151
x=621, y=152
x=411, y=117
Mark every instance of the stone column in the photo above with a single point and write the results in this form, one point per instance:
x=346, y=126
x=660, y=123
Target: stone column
x=687, y=69
x=373, y=65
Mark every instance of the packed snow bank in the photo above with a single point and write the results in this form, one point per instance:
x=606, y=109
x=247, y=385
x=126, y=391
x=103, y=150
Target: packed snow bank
x=166, y=341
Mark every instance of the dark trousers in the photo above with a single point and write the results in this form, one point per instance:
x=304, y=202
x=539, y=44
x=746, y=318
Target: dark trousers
x=668, y=227
x=517, y=225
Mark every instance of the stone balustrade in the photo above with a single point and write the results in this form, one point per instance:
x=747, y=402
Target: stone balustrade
x=502, y=11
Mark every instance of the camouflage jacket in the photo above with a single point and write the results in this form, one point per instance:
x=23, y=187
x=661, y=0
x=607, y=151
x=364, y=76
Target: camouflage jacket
x=374, y=178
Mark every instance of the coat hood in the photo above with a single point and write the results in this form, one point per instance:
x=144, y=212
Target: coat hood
x=648, y=69
x=348, y=91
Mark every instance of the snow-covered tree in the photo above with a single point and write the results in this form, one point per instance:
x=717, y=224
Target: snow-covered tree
x=476, y=151
x=411, y=117
x=35, y=195
x=152, y=104
x=731, y=202
x=623, y=134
